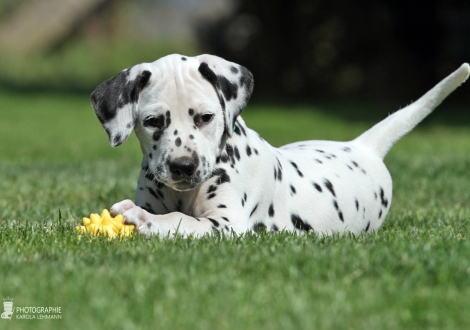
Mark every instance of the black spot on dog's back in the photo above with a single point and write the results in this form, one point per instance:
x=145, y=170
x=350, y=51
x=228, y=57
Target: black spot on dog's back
x=299, y=223
x=258, y=227
x=271, y=210
x=329, y=186
x=317, y=186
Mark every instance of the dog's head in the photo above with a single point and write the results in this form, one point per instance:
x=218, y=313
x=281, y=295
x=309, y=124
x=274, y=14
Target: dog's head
x=182, y=109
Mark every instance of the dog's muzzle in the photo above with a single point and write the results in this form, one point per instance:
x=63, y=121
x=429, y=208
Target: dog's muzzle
x=184, y=173
x=183, y=167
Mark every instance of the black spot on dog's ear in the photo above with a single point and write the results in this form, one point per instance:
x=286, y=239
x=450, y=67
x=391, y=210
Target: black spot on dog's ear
x=210, y=76
x=229, y=89
x=246, y=81
x=116, y=92
x=117, y=139
x=239, y=126
x=234, y=69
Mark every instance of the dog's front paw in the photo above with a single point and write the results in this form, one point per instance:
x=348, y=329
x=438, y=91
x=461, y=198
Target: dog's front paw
x=143, y=221
x=121, y=207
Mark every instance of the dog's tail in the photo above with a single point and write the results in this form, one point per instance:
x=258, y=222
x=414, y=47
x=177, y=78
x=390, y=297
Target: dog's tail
x=381, y=137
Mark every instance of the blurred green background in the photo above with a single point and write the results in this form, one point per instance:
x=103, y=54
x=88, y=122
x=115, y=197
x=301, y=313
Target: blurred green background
x=387, y=51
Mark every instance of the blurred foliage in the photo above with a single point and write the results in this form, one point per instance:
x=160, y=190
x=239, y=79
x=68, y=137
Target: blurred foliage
x=81, y=65
x=344, y=50
x=298, y=50
x=7, y=5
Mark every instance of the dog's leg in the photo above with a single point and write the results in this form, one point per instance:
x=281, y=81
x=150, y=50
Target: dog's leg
x=168, y=225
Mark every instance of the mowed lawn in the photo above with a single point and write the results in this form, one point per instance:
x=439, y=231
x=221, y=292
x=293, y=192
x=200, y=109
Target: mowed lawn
x=56, y=166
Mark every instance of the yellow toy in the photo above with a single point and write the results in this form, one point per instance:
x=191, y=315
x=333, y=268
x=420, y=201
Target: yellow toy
x=105, y=225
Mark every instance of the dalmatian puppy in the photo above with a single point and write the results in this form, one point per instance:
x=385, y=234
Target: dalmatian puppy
x=205, y=171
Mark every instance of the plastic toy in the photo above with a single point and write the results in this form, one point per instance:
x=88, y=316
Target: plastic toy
x=105, y=225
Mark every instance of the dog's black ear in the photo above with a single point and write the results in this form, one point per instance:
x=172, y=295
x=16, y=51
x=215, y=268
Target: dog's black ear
x=115, y=101
x=233, y=84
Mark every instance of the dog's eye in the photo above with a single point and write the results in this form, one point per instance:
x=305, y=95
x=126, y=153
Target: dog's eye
x=154, y=122
x=203, y=119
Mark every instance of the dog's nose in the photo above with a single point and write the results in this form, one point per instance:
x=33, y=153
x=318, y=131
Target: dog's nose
x=183, y=166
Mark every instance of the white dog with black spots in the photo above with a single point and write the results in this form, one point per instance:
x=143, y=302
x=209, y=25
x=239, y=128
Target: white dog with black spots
x=205, y=171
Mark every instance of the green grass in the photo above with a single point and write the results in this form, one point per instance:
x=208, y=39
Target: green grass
x=56, y=166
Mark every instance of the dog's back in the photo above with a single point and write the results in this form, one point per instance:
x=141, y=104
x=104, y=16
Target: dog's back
x=345, y=186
